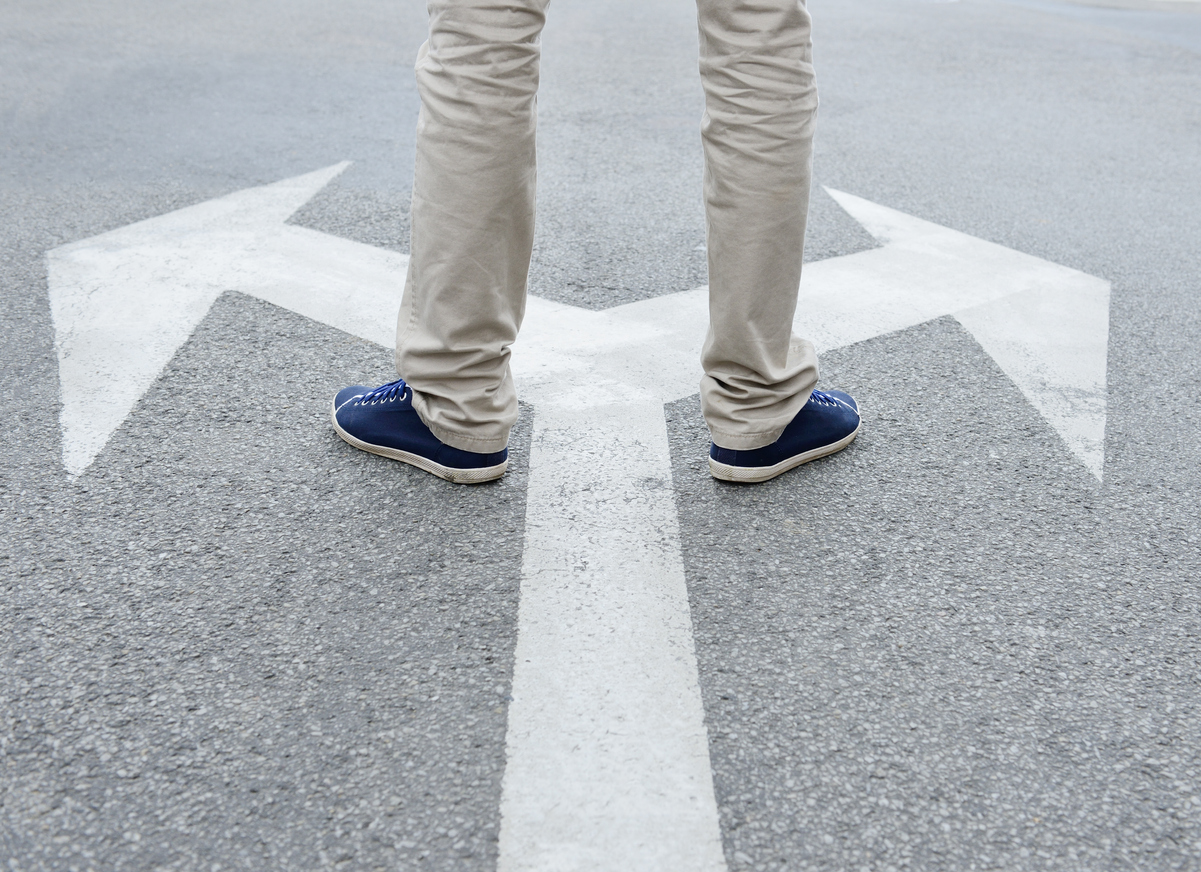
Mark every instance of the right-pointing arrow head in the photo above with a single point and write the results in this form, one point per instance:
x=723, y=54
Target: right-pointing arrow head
x=1045, y=325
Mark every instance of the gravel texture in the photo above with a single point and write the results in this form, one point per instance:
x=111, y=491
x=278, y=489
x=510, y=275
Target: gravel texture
x=236, y=643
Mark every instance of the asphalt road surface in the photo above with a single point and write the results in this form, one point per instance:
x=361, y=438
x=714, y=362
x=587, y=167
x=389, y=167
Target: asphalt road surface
x=233, y=642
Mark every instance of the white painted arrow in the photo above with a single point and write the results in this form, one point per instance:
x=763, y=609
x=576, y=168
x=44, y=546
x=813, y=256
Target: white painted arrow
x=1045, y=325
x=608, y=762
x=608, y=765
x=124, y=302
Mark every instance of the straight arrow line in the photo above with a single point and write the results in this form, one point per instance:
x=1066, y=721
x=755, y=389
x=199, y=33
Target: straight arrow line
x=327, y=279
x=607, y=754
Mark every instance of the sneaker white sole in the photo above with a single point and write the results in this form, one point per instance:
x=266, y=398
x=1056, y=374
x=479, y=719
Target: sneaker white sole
x=450, y=473
x=755, y=474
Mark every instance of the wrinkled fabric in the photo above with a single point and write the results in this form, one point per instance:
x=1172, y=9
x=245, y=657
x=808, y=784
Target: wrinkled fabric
x=473, y=216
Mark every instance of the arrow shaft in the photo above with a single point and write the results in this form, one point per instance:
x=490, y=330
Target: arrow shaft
x=347, y=285
x=608, y=760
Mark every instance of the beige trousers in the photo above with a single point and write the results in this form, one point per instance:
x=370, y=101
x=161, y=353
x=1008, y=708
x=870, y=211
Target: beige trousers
x=473, y=215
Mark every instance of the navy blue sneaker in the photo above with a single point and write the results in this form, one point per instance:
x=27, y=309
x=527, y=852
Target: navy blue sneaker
x=829, y=422
x=383, y=421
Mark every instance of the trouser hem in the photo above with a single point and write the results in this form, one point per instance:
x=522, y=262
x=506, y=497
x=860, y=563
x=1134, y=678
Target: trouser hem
x=455, y=439
x=744, y=441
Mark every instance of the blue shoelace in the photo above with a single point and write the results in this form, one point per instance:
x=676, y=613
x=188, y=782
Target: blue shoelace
x=823, y=398
x=396, y=390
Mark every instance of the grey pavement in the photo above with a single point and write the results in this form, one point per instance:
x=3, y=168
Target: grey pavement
x=236, y=643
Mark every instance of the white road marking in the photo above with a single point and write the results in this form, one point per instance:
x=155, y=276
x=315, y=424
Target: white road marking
x=124, y=302
x=1045, y=325
x=608, y=757
x=608, y=763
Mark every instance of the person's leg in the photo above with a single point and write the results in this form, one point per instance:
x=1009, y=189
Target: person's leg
x=472, y=235
x=760, y=103
x=472, y=218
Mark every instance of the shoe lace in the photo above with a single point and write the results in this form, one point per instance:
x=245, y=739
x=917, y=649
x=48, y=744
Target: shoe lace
x=396, y=390
x=823, y=398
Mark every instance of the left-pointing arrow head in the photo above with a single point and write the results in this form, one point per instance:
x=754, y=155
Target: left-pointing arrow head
x=125, y=301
